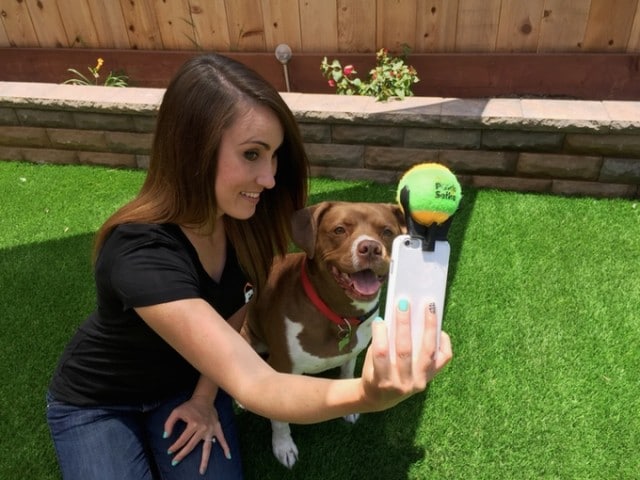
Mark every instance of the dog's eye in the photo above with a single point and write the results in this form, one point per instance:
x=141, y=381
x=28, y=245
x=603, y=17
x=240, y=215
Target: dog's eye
x=339, y=230
x=387, y=232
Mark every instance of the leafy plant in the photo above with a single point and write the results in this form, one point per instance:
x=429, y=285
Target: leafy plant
x=111, y=80
x=391, y=78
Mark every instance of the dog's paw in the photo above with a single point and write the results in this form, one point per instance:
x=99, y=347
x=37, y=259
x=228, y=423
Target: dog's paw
x=286, y=451
x=352, y=418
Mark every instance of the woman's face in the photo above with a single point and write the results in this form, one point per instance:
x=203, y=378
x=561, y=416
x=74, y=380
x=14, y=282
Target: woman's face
x=247, y=161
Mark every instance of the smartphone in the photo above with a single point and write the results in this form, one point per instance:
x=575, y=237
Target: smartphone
x=420, y=276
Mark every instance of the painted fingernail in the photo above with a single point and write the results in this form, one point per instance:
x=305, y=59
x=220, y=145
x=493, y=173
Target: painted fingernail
x=169, y=452
x=175, y=462
x=228, y=455
x=432, y=307
x=403, y=305
x=165, y=434
x=378, y=319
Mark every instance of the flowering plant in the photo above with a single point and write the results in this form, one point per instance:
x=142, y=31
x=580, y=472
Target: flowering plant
x=112, y=80
x=390, y=78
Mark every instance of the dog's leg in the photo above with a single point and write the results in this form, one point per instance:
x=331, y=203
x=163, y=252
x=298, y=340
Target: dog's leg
x=346, y=371
x=284, y=448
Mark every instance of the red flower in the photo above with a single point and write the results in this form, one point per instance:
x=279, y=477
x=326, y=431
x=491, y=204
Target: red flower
x=332, y=83
x=348, y=70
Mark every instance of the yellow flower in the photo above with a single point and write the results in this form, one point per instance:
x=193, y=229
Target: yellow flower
x=99, y=64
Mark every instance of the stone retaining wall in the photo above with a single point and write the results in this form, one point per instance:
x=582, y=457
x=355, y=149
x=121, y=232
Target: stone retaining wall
x=537, y=145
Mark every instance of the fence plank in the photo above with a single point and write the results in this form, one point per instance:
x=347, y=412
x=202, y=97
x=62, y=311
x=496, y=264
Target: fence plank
x=174, y=23
x=47, y=23
x=609, y=25
x=318, y=22
x=142, y=24
x=356, y=26
x=78, y=24
x=633, y=44
x=563, y=25
x=18, y=25
x=477, y=28
x=436, y=26
x=396, y=24
x=519, y=26
x=246, y=27
x=4, y=36
x=282, y=24
x=211, y=29
x=110, y=25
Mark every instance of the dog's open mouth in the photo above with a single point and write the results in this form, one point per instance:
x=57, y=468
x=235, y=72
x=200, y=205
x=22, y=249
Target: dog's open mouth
x=360, y=285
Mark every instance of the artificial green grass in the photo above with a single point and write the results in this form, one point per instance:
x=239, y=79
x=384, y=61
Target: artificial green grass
x=542, y=309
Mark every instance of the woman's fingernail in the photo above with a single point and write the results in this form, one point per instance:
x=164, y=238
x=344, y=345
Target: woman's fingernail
x=432, y=307
x=403, y=305
x=228, y=455
x=165, y=434
x=175, y=462
x=378, y=319
x=169, y=452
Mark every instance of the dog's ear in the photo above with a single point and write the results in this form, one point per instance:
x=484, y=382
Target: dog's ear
x=304, y=226
x=399, y=214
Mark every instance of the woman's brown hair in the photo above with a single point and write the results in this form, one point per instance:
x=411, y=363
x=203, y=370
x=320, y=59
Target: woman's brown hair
x=201, y=102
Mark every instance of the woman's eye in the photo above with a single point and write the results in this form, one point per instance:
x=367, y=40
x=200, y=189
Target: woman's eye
x=251, y=155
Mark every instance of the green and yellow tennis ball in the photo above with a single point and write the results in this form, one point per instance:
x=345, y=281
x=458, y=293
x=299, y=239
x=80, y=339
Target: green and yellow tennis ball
x=434, y=193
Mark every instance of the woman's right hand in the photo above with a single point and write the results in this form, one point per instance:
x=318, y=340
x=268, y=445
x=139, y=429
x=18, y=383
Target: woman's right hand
x=387, y=381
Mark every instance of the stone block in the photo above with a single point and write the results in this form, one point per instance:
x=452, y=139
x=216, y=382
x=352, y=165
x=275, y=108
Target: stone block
x=45, y=118
x=68, y=139
x=442, y=138
x=315, y=132
x=108, y=158
x=24, y=136
x=522, y=140
x=400, y=159
x=621, y=170
x=367, y=135
x=144, y=123
x=561, y=166
x=8, y=116
x=103, y=121
x=11, y=153
x=329, y=155
x=49, y=155
x=480, y=162
x=618, y=145
x=594, y=189
x=129, y=142
x=367, y=174
x=516, y=184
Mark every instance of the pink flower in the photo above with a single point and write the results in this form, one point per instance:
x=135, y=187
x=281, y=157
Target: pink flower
x=332, y=83
x=348, y=70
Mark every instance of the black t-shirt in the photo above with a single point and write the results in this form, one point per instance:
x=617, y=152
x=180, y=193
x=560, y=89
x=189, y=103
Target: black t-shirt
x=115, y=357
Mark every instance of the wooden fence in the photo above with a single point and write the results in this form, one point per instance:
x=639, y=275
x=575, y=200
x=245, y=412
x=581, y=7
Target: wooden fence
x=312, y=26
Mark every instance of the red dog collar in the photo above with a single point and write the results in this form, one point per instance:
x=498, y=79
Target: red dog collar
x=324, y=308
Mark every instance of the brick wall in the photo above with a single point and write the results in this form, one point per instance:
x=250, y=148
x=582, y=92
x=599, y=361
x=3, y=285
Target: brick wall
x=538, y=145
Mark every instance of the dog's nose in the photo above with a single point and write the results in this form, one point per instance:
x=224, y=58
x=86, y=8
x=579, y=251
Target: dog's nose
x=369, y=248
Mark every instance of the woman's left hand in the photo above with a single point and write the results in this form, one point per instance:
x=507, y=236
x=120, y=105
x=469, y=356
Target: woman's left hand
x=202, y=424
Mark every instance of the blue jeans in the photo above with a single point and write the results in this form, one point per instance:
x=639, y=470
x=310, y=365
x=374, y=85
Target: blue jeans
x=124, y=442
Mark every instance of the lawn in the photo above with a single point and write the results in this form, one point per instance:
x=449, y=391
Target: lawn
x=542, y=308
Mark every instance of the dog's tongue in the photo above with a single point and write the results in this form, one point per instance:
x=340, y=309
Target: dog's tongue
x=365, y=282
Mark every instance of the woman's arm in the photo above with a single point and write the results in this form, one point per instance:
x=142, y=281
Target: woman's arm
x=213, y=347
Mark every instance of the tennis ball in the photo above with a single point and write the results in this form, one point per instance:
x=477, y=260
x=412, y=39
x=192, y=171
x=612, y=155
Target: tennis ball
x=434, y=193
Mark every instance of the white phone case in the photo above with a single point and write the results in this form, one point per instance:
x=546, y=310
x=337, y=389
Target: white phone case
x=420, y=277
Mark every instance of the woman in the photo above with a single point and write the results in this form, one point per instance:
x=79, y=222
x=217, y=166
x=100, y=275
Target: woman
x=133, y=392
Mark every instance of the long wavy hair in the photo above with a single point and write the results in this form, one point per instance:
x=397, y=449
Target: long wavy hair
x=201, y=102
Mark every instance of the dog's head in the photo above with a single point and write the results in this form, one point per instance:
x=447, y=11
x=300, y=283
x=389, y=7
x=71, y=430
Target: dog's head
x=350, y=241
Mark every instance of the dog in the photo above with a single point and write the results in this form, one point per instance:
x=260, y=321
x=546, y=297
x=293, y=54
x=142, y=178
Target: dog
x=316, y=310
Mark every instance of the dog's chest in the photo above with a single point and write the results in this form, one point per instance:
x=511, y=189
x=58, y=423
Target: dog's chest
x=313, y=353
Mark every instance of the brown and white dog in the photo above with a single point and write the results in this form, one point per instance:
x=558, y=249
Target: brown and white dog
x=316, y=310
